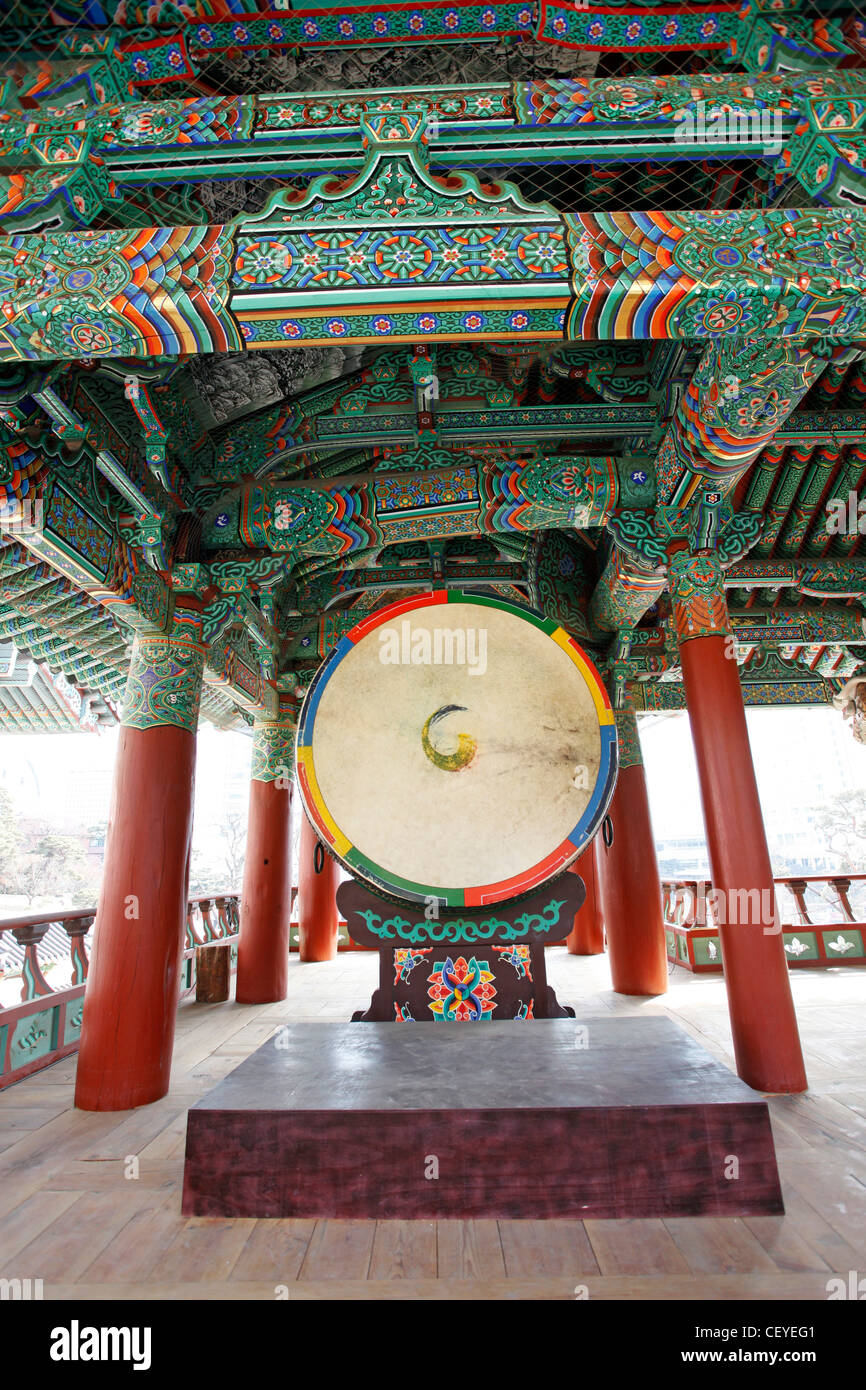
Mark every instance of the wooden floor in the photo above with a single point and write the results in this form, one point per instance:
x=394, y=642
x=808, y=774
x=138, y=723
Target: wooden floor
x=74, y=1214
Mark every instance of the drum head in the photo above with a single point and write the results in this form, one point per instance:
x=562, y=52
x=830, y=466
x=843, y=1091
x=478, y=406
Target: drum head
x=458, y=748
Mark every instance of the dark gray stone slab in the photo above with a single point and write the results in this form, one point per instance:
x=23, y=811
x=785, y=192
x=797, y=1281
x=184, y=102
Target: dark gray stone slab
x=487, y=1066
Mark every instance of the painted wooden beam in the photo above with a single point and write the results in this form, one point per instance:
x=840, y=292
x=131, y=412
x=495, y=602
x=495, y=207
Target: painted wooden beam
x=400, y=255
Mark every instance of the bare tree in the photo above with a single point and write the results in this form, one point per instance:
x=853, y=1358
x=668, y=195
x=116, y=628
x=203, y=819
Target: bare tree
x=842, y=818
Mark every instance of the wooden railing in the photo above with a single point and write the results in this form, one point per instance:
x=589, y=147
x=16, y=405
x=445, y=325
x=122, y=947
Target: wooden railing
x=44, y=1024
x=818, y=927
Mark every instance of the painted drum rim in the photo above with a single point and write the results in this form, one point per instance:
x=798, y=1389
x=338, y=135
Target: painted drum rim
x=385, y=882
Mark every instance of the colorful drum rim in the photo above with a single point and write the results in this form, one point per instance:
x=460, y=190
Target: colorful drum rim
x=385, y=882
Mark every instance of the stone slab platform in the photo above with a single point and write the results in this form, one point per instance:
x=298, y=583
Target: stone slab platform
x=601, y=1117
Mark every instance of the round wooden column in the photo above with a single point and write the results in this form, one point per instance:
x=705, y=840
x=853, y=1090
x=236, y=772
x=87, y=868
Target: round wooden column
x=763, y=1021
x=587, y=934
x=263, y=949
x=628, y=877
x=317, y=888
x=133, y=984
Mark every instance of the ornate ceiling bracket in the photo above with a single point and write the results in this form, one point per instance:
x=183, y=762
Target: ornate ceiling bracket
x=712, y=525
x=827, y=152
x=233, y=664
x=54, y=178
x=66, y=525
x=636, y=572
x=780, y=38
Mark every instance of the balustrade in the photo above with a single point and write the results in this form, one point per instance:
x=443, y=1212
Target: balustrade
x=820, y=924
x=44, y=1023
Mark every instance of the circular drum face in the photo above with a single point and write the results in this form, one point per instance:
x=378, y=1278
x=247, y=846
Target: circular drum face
x=456, y=747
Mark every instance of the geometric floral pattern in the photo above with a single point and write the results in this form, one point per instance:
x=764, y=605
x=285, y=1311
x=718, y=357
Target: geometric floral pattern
x=589, y=26
x=70, y=524
x=519, y=957
x=405, y=961
x=462, y=991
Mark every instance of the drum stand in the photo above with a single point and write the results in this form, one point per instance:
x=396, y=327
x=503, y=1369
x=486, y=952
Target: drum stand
x=465, y=964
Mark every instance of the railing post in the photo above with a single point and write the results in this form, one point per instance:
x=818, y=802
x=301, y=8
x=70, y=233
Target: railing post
x=205, y=907
x=798, y=887
x=33, y=982
x=690, y=904
x=842, y=885
x=76, y=930
x=222, y=917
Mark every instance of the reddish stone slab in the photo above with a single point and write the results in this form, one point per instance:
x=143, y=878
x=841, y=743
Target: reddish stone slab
x=498, y=1120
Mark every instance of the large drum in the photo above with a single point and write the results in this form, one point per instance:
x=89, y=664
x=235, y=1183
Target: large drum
x=458, y=748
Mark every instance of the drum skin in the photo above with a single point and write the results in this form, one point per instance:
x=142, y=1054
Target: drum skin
x=456, y=748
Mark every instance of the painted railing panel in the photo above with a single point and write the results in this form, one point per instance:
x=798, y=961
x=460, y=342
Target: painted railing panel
x=821, y=925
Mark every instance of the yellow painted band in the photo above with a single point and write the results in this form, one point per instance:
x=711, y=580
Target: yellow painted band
x=338, y=839
x=603, y=710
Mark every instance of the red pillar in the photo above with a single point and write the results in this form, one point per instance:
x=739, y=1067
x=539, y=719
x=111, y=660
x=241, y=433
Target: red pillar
x=263, y=949
x=628, y=877
x=587, y=935
x=317, y=888
x=763, y=1021
x=133, y=984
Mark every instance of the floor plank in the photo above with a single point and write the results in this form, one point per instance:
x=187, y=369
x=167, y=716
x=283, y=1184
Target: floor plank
x=635, y=1247
x=542, y=1249
x=274, y=1251
x=404, y=1250
x=784, y=1243
x=205, y=1248
x=21, y=1226
x=339, y=1250
x=64, y=1249
x=469, y=1250
x=717, y=1245
x=137, y=1248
